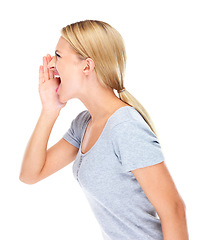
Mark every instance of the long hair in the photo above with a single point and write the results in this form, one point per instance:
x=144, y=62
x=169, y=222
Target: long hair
x=105, y=46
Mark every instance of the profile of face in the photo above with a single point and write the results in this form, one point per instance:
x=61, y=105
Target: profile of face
x=71, y=69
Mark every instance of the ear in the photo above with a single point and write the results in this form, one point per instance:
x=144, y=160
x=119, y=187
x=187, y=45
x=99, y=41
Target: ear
x=88, y=66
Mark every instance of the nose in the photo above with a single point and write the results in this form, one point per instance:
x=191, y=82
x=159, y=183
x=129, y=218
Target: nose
x=52, y=64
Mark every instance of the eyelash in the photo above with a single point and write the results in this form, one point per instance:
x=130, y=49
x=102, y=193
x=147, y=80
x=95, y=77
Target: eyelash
x=58, y=55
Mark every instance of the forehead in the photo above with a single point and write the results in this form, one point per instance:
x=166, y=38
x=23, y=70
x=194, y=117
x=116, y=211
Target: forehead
x=63, y=46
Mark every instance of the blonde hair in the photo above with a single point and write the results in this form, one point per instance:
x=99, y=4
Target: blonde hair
x=105, y=46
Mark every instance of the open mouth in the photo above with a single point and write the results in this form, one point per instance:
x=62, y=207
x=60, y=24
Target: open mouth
x=57, y=88
x=56, y=75
x=58, y=85
x=58, y=78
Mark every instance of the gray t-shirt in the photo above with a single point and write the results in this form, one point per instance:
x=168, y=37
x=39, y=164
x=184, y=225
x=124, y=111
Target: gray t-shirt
x=104, y=173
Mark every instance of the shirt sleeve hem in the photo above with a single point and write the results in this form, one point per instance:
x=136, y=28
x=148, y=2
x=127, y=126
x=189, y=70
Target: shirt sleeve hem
x=131, y=167
x=71, y=140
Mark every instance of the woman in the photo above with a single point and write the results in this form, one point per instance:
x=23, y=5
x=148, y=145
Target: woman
x=118, y=160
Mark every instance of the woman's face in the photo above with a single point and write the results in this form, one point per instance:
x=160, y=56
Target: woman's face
x=69, y=67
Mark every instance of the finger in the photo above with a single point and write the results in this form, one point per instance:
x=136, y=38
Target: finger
x=41, y=74
x=51, y=72
x=48, y=58
x=46, y=71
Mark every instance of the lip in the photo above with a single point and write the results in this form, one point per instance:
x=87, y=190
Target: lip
x=58, y=87
x=56, y=73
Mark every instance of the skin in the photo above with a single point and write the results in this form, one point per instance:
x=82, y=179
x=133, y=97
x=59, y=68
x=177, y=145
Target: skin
x=79, y=80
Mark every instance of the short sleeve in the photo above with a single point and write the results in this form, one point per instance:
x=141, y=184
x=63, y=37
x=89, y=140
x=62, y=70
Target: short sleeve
x=136, y=145
x=73, y=135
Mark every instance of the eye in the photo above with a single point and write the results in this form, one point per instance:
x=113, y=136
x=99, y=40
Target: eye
x=57, y=55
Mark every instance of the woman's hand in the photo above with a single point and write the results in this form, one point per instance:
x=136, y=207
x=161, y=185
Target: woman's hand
x=48, y=85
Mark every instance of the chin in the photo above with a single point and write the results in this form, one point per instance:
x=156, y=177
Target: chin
x=64, y=96
x=62, y=99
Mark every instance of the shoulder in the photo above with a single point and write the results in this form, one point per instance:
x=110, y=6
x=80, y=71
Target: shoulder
x=81, y=119
x=134, y=132
x=74, y=133
x=82, y=115
x=131, y=124
x=135, y=144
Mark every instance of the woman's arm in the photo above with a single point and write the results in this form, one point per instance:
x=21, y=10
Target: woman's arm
x=160, y=189
x=36, y=151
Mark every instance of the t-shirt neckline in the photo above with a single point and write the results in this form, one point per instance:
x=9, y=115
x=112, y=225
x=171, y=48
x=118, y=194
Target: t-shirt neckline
x=84, y=154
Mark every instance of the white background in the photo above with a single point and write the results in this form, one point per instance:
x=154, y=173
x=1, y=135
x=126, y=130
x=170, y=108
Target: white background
x=164, y=72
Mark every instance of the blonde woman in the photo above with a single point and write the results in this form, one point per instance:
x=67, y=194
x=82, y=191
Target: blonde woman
x=117, y=156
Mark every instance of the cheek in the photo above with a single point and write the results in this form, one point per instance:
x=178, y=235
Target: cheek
x=72, y=74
